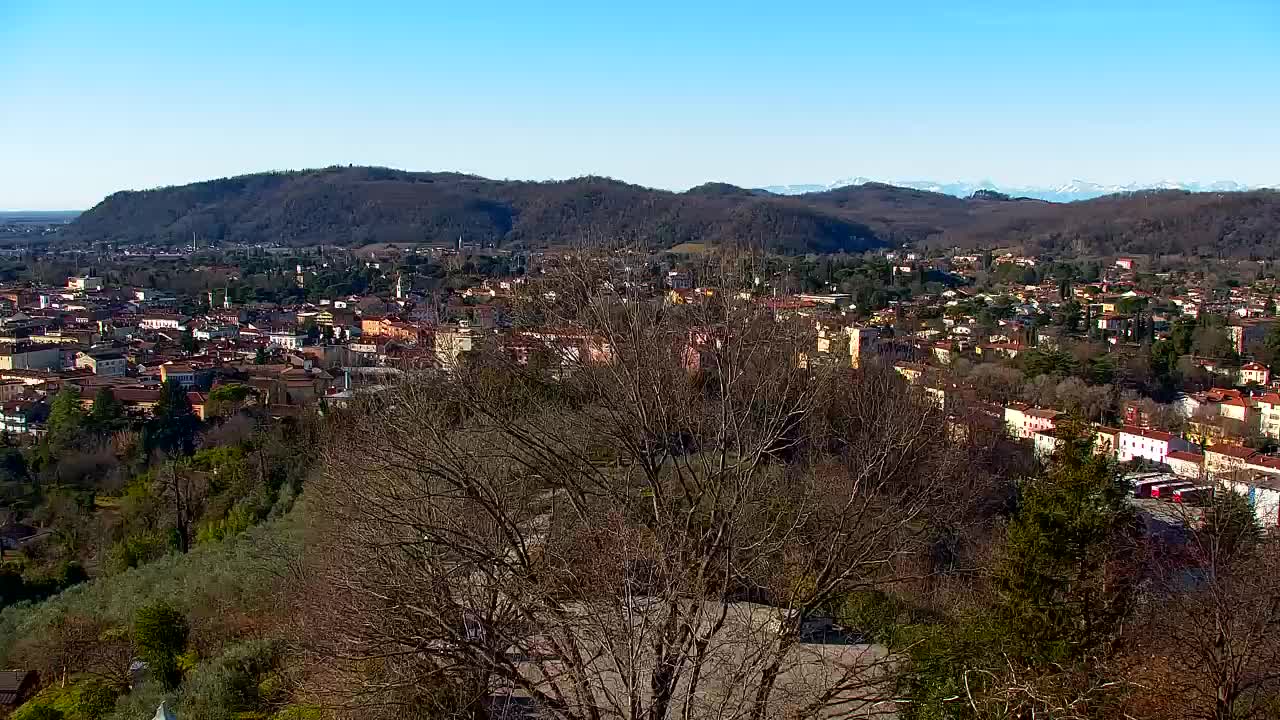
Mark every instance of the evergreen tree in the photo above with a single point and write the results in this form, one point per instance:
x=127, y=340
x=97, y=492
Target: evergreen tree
x=1061, y=599
x=260, y=357
x=173, y=425
x=66, y=420
x=108, y=414
x=160, y=634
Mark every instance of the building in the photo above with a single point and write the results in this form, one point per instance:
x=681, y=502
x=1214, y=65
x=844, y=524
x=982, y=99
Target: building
x=1185, y=463
x=1268, y=415
x=1262, y=490
x=85, y=283
x=181, y=373
x=1255, y=372
x=1153, y=445
x=450, y=344
x=212, y=330
x=862, y=342
x=163, y=322
x=288, y=339
x=25, y=356
x=108, y=364
x=22, y=417
x=1024, y=421
x=1225, y=460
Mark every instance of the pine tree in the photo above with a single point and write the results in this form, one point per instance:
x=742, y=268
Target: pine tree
x=174, y=424
x=108, y=414
x=1060, y=596
x=66, y=420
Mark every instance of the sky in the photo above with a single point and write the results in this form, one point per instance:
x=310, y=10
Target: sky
x=102, y=96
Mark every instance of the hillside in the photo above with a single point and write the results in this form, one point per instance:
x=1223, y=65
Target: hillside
x=359, y=206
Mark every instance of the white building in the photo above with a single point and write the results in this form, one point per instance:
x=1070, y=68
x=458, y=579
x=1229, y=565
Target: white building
x=1254, y=372
x=209, y=332
x=85, y=283
x=1152, y=445
x=107, y=364
x=1185, y=463
x=1024, y=421
x=288, y=339
x=163, y=322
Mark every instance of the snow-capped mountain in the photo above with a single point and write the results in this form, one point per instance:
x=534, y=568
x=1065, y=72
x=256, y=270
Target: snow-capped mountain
x=1067, y=192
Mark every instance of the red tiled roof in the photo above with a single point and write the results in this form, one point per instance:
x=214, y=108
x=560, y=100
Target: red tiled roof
x=1236, y=451
x=1144, y=432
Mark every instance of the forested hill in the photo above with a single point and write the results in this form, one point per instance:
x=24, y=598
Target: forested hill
x=359, y=206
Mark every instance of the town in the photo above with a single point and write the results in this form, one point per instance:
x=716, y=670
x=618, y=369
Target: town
x=1172, y=366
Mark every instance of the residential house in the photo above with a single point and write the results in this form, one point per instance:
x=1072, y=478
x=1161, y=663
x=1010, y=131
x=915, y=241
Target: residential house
x=84, y=283
x=287, y=339
x=181, y=373
x=163, y=321
x=1023, y=421
x=1224, y=459
x=1185, y=463
x=1153, y=445
x=1255, y=372
x=23, y=417
x=107, y=363
x=12, y=389
x=25, y=356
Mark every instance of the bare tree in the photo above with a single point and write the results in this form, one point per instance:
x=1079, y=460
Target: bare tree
x=655, y=530
x=1209, y=639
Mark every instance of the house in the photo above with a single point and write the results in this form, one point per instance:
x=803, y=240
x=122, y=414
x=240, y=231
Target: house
x=181, y=373
x=209, y=331
x=861, y=343
x=1023, y=421
x=163, y=322
x=1185, y=463
x=288, y=339
x=1124, y=263
x=16, y=686
x=1255, y=372
x=12, y=389
x=1153, y=445
x=25, y=356
x=84, y=283
x=909, y=370
x=22, y=417
x=1224, y=459
x=450, y=344
x=1262, y=490
x=108, y=363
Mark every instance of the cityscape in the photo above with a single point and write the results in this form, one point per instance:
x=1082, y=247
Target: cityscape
x=401, y=361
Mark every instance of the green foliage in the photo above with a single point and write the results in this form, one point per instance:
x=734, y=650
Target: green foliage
x=160, y=634
x=1054, y=363
x=238, y=571
x=1071, y=526
x=108, y=413
x=66, y=420
x=174, y=424
x=84, y=700
x=138, y=549
x=240, y=518
x=239, y=683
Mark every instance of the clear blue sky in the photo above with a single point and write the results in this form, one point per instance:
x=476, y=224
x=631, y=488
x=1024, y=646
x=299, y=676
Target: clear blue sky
x=102, y=95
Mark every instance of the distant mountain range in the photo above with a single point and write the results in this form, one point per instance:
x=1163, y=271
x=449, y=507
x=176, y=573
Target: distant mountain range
x=360, y=206
x=1067, y=192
